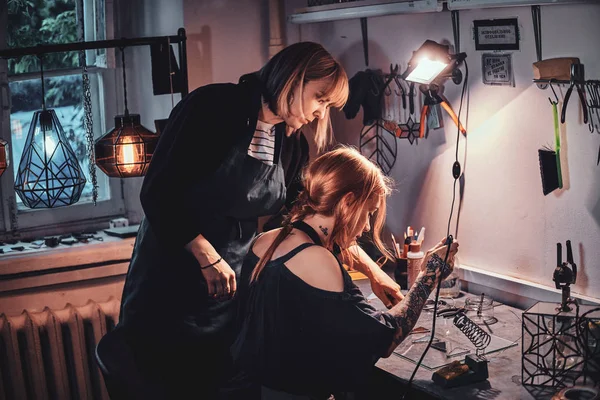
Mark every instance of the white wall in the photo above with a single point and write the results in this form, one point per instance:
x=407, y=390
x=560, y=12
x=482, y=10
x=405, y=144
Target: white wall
x=506, y=224
x=226, y=39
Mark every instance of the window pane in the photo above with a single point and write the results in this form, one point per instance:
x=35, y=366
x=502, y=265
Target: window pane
x=63, y=94
x=37, y=22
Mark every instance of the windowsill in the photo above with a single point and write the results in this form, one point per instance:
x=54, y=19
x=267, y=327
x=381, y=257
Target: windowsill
x=65, y=263
x=513, y=291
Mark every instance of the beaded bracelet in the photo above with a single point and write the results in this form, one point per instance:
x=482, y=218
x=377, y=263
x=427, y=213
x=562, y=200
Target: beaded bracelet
x=213, y=264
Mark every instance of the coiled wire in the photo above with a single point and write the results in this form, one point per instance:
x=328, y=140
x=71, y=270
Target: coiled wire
x=480, y=338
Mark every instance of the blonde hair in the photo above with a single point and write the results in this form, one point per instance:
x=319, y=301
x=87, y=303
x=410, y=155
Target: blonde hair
x=342, y=173
x=299, y=64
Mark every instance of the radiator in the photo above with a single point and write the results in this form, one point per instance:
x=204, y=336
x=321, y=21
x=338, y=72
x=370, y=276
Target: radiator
x=50, y=354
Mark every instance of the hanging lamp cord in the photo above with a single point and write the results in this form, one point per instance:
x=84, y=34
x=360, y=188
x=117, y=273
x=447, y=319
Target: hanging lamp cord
x=40, y=57
x=124, y=80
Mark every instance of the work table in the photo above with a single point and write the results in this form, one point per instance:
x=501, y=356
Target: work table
x=504, y=366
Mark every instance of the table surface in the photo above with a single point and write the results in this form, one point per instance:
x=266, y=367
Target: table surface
x=504, y=366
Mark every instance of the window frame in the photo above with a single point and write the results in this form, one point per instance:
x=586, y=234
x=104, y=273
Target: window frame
x=82, y=215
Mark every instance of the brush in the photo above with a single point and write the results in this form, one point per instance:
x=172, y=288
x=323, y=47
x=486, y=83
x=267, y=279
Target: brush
x=550, y=160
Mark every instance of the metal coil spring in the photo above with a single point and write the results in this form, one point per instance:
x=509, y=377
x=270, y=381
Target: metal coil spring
x=480, y=338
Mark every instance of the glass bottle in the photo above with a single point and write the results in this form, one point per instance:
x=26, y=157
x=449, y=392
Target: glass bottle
x=450, y=287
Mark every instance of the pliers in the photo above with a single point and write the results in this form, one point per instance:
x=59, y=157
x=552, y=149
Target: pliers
x=578, y=81
x=432, y=98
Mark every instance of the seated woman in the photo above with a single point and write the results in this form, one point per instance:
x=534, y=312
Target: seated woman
x=306, y=328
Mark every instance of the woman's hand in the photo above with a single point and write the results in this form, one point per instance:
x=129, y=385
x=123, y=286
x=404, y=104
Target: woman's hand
x=440, y=250
x=385, y=288
x=220, y=280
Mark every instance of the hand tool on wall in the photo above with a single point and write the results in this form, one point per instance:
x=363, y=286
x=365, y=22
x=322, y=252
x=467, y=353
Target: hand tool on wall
x=577, y=81
x=593, y=105
x=411, y=98
x=593, y=92
x=550, y=159
x=432, y=97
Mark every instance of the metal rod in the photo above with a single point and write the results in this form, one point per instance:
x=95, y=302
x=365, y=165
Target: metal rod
x=124, y=80
x=180, y=39
x=43, y=91
x=365, y=39
x=98, y=44
x=183, y=61
x=556, y=81
x=52, y=73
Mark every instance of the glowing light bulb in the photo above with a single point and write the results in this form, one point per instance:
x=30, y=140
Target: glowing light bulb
x=49, y=145
x=426, y=70
x=129, y=154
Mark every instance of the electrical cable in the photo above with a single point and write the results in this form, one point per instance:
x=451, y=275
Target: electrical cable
x=456, y=173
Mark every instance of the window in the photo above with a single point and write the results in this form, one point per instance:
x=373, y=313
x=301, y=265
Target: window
x=36, y=22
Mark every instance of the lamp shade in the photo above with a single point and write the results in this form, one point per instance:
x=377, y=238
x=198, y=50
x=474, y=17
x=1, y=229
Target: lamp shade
x=49, y=174
x=429, y=61
x=126, y=150
x=4, y=156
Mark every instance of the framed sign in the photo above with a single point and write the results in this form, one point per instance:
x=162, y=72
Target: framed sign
x=497, y=69
x=496, y=34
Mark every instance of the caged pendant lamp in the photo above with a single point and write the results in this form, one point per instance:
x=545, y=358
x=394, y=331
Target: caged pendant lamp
x=126, y=150
x=49, y=174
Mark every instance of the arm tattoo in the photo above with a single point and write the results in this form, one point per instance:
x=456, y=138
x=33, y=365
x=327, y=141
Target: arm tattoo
x=407, y=312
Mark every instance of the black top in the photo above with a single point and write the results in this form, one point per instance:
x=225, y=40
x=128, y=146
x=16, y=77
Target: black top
x=208, y=122
x=304, y=340
x=201, y=181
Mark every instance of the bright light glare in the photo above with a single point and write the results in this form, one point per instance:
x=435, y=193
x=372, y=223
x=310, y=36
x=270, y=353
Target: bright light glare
x=129, y=154
x=426, y=71
x=49, y=146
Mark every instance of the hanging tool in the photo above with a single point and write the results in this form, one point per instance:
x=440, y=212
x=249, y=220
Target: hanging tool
x=593, y=105
x=549, y=160
x=432, y=97
x=411, y=98
x=402, y=91
x=577, y=81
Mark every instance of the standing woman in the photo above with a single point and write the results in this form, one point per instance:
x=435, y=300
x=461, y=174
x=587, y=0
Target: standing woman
x=216, y=169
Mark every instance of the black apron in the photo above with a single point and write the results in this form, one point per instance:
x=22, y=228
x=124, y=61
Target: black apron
x=165, y=298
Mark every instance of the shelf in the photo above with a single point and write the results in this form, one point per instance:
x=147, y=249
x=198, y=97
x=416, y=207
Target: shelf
x=376, y=8
x=365, y=10
x=468, y=4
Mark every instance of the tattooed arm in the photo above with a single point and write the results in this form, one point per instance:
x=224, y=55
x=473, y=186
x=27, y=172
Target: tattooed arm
x=407, y=312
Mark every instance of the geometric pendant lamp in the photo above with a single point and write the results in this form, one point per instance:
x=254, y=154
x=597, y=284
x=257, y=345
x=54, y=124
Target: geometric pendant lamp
x=126, y=150
x=49, y=174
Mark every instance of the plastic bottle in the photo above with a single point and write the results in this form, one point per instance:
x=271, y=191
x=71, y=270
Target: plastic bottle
x=415, y=258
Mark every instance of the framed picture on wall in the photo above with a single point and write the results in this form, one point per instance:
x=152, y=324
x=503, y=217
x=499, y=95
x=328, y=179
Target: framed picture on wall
x=497, y=69
x=496, y=34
